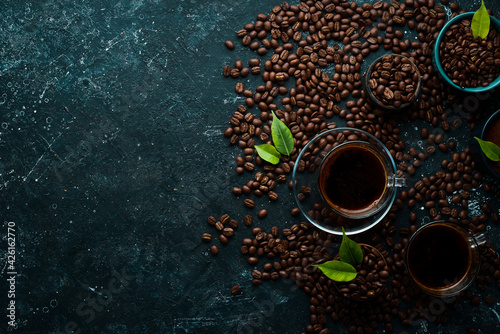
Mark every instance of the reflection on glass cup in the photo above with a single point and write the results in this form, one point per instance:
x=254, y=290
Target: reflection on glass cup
x=443, y=258
x=357, y=179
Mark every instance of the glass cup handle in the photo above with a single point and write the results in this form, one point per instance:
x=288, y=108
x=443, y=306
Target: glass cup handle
x=400, y=182
x=480, y=238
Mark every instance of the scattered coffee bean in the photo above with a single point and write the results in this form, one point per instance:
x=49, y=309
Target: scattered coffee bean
x=219, y=226
x=228, y=232
x=211, y=220
x=247, y=220
x=236, y=290
x=229, y=44
x=223, y=239
x=249, y=203
x=233, y=223
x=206, y=237
x=214, y=250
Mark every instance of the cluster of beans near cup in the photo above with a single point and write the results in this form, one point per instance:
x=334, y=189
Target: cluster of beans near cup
x=301, y=42
x=290, y=253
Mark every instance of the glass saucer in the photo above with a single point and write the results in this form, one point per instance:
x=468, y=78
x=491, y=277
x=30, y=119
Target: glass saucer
x=305, y=182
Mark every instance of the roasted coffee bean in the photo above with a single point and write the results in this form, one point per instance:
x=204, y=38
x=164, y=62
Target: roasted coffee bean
x=206, y=237
x=228, y=232
x=254, y=62
x=229, y=44
x=237, y=191
x=272, y=195
x=211, y=220
x=424, y=133
x=262, y=213
x=219, y=226
x=443, y=147
x=236, y=290
x=247, y=220
x=233, y=224
x=239, y=87
x=249, y=203
x=223, y=239
x=214, y=250
x=224, y=219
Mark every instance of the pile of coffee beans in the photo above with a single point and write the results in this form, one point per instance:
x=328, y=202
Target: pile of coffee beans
x=290, y=253
x=225, y=227
x=304, y=41
x=394, y=81
x=309, y=58
x=469, y=61
x=446, y=194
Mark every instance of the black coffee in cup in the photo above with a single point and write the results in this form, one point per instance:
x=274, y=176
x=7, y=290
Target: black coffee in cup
x=352, y=178
x=438, y=256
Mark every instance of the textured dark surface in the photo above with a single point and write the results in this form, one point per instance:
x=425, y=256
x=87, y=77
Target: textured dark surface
x=112, y=157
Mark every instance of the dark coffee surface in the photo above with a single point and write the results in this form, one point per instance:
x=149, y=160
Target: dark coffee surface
x=439, y=256
x=352, y=178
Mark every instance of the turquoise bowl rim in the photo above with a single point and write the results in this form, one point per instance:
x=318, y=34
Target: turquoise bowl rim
x=437, y=61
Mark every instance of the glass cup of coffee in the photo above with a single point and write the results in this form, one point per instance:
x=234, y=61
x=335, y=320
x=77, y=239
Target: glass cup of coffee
x=443, y=258
x=345, y=178
x=357, y=179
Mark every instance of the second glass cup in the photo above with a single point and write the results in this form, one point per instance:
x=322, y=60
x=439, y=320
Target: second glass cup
x=443, y=258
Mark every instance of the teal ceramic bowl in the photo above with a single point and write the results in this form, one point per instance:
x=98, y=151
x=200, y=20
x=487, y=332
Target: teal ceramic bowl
x=437, y=61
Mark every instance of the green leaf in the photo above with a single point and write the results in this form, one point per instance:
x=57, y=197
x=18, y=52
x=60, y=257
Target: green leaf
x=338, y=271
x=268, y=153
x=350, y=251
x=480, y=22
x=491, y=150
x=282, y=136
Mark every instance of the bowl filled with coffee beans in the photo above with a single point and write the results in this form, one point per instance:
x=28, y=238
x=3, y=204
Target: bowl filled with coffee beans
x=373, y=274
x=359, y=272
x=465, y=60
x=393, y=82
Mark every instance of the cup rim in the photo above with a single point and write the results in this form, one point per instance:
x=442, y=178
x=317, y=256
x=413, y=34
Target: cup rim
x=483, y=156
x=295, y=190
x=437, y=60
x=379, y=103
x=454, y=284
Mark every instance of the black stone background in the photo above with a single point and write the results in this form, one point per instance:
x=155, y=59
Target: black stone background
x=112, y=156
